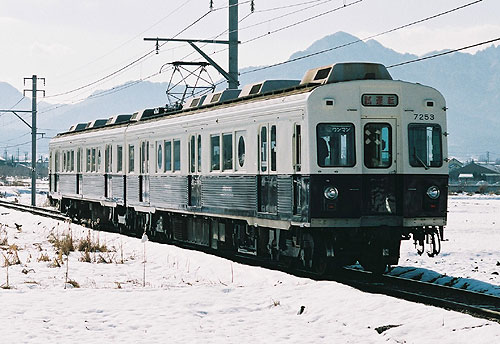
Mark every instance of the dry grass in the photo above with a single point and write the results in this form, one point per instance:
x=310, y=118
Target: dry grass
x=62, y=244
x=73, y=283
x=43, y=258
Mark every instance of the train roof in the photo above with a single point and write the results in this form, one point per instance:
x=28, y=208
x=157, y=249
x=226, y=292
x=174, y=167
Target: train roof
x=334, y=73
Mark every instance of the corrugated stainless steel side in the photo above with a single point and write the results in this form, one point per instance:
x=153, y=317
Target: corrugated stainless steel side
x=117, y=188
x=93, y=185
x=132, y=189
x=285, y=195
x=67, y=184
x=168, y=191
x=229, y=192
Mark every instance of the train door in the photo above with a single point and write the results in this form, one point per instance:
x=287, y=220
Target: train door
x=194, y=181
x=379, y=166
x=107, y=171
x=144, y=172
x=267, y=182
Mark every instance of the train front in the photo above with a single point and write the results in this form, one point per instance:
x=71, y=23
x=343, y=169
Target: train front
x=378, y=171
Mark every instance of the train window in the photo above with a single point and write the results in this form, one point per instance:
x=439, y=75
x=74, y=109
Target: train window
x=56, y=162
x=87, y=165
x=79, y=160
x=192, y=154
x=378, y=145
x=227, y=151
x=98, y=168
x=168, y=156
x=177, y=155
x=159, y=157
x=144, y=157
x=107, y=159
x=93, y=160
x=240, y=137
x=131, y=154
x=199, y=153
x=425, y=146
x=64, y=162
x=72, y=161
x=263, y=149
x=273, y=148
x=119, y=158
x=296, y=147
x=335, y=145
x=215, y=152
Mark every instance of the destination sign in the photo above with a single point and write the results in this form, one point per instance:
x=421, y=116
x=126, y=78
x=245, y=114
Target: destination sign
x=379, y=100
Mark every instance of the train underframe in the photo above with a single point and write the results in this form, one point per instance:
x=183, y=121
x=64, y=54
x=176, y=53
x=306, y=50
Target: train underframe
x=316, y=249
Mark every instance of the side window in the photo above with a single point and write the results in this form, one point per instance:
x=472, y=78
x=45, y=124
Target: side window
x=88, y=157
x=240, y=149
x=192, y=153
x=215, y=152
x=119, y=158
x=168, y=155
x=144, y=157
x=199, y=153
x=93, y=160
x=159, y=157
x=227, y=151
x=79, y=160
x=72, y=161
x=377, y=145
x=273, y=148
x=296, y=146
x=98, y=168
x=131, y=160
x=263, y=149
x=177, y=155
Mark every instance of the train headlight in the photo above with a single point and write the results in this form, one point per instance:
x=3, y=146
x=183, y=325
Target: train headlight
x=433, y=192
x=331, y=193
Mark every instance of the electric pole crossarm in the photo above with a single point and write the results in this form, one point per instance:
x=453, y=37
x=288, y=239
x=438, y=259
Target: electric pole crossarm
x=22, y=118
x=212, y=62
x=187, y=40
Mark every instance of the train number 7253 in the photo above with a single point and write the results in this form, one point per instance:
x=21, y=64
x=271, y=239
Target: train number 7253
x=424, y=117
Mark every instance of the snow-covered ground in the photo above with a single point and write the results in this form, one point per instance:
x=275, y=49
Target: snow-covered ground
x=192, y=297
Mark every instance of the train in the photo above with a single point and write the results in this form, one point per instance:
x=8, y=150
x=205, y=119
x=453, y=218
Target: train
x=327, y=171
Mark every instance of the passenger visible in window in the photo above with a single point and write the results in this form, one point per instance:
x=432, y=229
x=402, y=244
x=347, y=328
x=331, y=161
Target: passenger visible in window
x=322, y=151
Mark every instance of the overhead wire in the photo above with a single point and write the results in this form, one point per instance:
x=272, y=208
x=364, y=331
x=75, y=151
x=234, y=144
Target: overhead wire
x=362, y=39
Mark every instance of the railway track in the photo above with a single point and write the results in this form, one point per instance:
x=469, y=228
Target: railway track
x=54, y=214
x=460, y=300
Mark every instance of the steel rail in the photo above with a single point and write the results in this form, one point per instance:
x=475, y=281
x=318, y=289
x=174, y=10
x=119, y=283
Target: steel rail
x=460, y=300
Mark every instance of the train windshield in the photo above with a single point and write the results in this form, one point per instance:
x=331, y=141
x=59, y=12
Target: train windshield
x=335, y=145
x=425, y=147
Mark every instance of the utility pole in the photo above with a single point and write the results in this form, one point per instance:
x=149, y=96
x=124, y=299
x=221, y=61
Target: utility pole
x=232, y=74
x=233, y=45
x=33, y=131
x=34, y=91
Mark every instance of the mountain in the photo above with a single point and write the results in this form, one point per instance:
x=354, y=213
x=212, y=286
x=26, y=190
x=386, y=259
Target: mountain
x=469, y=82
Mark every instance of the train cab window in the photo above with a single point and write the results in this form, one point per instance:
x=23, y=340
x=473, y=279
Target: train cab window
x=199, y=153
x=263, y=149
x=131, y=159
x=273, y=148
x=425, y=146
x=377, y=145
x=168, y=156
x=119, y=158
x=335, y=145
x=177, y=155
x=227, y=152
x=215, y=152
x=159, y=157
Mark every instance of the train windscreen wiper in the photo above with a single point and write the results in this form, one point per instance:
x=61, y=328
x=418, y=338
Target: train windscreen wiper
x=421, y=161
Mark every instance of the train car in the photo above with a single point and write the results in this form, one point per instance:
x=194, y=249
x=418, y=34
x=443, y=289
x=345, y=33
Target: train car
x=336, y=168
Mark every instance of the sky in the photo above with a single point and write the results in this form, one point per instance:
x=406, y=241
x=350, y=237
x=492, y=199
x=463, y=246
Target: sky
x=75, y=43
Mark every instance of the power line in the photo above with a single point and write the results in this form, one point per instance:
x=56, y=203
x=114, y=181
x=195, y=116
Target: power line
x=12, y=107
x=443, y=53
x=363, y=39
x=149, y=53
x=305, y=20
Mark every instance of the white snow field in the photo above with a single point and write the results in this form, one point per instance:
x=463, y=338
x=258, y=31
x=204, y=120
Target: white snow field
x=192, y=297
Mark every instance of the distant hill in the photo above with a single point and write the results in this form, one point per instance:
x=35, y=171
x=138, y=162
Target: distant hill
x=469, y=82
